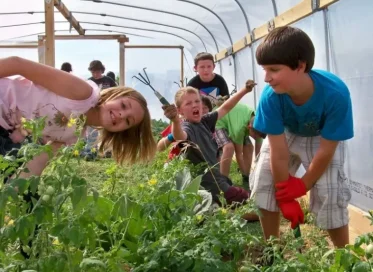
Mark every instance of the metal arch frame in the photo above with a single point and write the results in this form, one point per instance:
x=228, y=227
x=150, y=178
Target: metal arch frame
x=136, y=28
x=244, y=15
x=161, y=11
x=327, y=38
x=34, y=34
x=43, y=22
x=88, y=29
x=104, y=24
x=251, y=50
x=24, y=36
x=143, y=21
x=211, y=11
x=119, y=32
x=275, y=11
x=24, y=24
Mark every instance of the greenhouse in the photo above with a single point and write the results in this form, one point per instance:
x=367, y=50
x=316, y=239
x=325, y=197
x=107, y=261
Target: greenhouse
x=85, y=185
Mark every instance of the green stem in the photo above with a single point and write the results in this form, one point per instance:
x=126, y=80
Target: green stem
x=71, y=267
x=114, y=182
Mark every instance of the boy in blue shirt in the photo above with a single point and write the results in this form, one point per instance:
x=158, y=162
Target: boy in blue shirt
x=307, y=115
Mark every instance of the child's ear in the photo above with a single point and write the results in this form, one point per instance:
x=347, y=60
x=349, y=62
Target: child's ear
x=195, y=68
x=302, y=66
x=179, y=111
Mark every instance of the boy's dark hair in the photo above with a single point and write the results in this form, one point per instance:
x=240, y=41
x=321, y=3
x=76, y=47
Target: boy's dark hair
x=206, y=101
x=66, y=66
x=96, y=65
x=286, y=45
x=111, y=75
x=203, y=56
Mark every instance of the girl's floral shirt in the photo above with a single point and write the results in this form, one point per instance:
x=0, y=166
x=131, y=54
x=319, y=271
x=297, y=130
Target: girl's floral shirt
x=21, y=98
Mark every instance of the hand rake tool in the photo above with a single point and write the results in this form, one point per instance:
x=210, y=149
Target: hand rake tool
x=145, y=80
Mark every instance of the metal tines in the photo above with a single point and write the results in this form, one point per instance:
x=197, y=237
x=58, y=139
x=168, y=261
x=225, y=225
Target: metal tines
x=145, y=80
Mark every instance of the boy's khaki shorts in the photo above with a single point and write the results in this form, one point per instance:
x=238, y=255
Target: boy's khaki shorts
x=330, y=195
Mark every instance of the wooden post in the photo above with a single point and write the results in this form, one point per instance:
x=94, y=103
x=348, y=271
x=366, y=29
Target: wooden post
x=49, y=31
x=182, y=66
x=41, y=50
x=122, y=70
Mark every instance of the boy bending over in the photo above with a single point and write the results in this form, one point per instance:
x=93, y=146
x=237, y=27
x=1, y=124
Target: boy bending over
x=307, y=115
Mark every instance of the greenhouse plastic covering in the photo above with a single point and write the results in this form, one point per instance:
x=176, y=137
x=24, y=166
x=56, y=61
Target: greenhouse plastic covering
x=341, y=33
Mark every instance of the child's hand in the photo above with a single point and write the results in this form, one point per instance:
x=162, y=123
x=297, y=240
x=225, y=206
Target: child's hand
x=19, y=134
x=249, y=85
x=292, y=212
x=291, y=189
x=170, y=111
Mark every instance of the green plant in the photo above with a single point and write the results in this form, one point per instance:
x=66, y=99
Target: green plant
x=96, y=216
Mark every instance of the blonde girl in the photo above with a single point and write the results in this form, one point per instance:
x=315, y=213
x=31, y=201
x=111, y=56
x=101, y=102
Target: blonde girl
x=120, y=113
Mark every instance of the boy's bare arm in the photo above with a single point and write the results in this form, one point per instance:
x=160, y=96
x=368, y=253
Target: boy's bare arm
x=232, y=101
x=163, y=144
x=279, y=157
x=177, y=131
x=320, y=162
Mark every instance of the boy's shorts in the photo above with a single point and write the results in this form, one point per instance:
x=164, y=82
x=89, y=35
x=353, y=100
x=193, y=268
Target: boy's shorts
x=329, y=197
x=222, y=138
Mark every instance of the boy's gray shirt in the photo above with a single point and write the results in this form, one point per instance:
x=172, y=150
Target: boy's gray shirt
x=202, y=134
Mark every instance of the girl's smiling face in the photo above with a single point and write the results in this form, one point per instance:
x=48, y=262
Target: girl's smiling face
x=120, y=114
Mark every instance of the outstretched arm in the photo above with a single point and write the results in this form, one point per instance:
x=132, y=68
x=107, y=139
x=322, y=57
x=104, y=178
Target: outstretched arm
x=163, y=144
x=232, y=101
x=54, y=80
x=171, y=113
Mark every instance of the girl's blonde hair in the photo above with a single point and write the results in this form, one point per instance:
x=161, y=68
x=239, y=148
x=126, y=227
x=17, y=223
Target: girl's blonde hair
x=181, y=92
x=134, y=144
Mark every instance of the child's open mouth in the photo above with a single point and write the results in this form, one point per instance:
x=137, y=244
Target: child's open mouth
x=196, y=113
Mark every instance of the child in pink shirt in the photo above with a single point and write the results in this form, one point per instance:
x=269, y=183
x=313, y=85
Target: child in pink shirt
x=120, y=113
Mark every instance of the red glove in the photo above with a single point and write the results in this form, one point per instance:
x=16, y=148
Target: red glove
x=236, y=194
x=292, y=212
x=291, y=189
